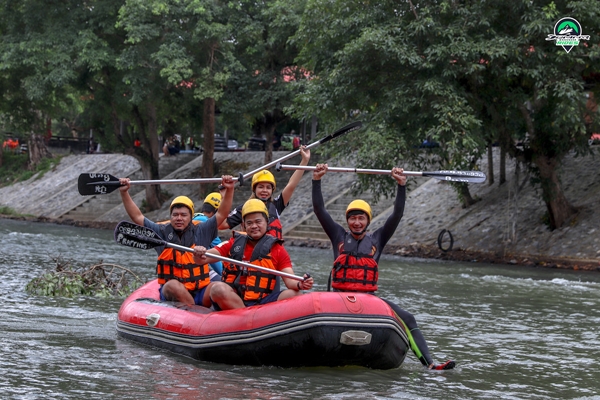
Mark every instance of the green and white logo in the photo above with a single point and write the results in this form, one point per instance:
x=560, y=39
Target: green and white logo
x=567, y=33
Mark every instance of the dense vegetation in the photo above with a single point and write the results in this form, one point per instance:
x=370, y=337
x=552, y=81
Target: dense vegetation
x=465, y=75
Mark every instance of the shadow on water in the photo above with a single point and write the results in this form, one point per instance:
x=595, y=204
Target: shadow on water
x=516, y=333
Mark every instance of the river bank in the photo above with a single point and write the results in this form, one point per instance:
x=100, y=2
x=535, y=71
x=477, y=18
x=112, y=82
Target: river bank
x=504, y=226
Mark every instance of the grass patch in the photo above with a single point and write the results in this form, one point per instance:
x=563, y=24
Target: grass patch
x=5, y=210
x=14, y=168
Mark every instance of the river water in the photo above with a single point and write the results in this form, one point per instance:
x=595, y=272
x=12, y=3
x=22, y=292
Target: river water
x=515, y=333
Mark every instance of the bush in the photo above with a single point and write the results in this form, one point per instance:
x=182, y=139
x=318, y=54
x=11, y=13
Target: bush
x=99, y=280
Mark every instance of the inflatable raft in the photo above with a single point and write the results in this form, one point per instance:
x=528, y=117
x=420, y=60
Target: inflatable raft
x=315, y=329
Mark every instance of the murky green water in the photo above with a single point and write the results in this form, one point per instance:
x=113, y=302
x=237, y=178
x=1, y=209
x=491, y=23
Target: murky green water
x=516, y=333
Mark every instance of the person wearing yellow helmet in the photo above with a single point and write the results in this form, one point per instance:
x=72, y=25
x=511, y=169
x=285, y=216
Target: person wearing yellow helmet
x=263, y=187
x=180, y=277
x=243, y=287
x=356, y=253
x=209, y=208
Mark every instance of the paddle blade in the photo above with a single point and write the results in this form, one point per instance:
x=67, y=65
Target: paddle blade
x=342, y=131
x=93, y=184
x=137, y=236
x=458, y=176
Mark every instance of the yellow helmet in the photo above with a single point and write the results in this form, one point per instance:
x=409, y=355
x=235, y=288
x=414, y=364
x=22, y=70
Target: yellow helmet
x=359, y=205
x=253, y=206
x=263, y=176
x=214, y=199
x=182, y=201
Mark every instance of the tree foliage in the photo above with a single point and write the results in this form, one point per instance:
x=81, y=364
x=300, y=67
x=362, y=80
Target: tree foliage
x=460, y=73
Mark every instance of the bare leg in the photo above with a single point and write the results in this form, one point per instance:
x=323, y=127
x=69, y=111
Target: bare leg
x=175, y=291
x=225, y=297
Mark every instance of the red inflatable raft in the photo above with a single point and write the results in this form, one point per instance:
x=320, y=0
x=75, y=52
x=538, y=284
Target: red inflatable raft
x=315, y=329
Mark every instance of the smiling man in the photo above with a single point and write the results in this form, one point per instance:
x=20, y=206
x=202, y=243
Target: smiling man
x=180, y=277
x=243, y=287
x=356, y=253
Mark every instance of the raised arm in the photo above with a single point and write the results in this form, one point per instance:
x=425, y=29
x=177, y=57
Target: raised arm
x=287, y=192
x=329, y=225
x=225, y=206
x=132, y=209
x=390, y=225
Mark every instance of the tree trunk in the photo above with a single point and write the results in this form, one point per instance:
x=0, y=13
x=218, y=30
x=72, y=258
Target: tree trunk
x=153, y=195
x=559, y=208
x=208, y=130
x=269, y=129
x=148, y=128
x=490, y=157
x=267, y=125
x=464, y=195
x=37, y=150
x=502, y=165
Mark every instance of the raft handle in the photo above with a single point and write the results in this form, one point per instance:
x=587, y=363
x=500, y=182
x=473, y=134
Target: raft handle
x=152, y=319
x=355, y=338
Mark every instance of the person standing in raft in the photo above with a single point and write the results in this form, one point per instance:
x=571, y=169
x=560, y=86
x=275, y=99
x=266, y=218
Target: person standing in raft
x=356, y=253
x=244, y=287
x=263, y=187
x=182, y=279
x=209, y=208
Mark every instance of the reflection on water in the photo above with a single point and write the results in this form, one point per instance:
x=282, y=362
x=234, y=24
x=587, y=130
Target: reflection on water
x=516, y=333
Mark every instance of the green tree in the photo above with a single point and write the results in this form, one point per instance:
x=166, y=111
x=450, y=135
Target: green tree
x=36, y=67
x=462, y=74
x=264, y=85
x=186, y=45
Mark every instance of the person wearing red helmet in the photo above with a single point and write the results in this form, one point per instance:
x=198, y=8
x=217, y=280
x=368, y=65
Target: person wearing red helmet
x=356, y=253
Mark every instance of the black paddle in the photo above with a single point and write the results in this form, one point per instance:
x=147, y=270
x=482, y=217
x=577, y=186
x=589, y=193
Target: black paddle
x=140, y=237
x=92, y=184
x=451, y=176
x=342, y=131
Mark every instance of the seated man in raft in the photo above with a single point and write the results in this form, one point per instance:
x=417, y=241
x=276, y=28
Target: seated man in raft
x=181, y=278
x=244, y=287
x=356, y=253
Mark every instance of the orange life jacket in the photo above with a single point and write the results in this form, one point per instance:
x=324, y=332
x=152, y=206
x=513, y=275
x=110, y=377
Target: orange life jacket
x=249, y=283
x=180, y=265
x=355, y=269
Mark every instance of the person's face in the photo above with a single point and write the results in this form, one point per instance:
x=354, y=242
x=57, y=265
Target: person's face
x=358, y=223
x=255, y=225
x=180, y=217
x=263, y=190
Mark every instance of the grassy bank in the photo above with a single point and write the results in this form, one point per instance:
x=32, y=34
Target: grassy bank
x=15, y=168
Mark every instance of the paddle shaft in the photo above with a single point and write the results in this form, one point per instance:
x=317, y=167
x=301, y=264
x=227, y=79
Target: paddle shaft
x=456, y=176
x=236, y=262
x=342, y=131
x=356, y=170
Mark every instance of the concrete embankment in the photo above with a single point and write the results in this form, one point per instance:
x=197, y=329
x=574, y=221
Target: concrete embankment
x=505, y=225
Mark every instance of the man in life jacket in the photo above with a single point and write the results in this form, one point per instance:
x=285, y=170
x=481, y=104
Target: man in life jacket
x=244, y=287
x=209, y=208
x=180, y=277
x=356, y=253
x=263, y=187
